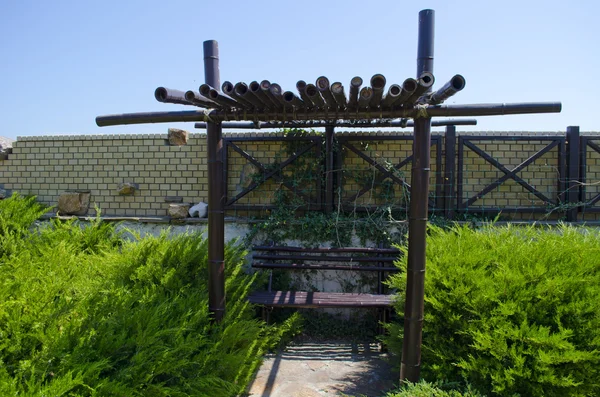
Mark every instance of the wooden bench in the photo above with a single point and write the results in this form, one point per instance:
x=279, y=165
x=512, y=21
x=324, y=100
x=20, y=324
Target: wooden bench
x=378, y=260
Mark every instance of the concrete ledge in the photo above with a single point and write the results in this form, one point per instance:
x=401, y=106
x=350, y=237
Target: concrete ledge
x=536, y=223
x=145, y=219
x=192, y=221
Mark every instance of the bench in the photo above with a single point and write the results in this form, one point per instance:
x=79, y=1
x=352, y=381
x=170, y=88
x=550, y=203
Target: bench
x=380, y=260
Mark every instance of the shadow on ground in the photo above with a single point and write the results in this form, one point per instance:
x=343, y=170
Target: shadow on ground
x=324, y=369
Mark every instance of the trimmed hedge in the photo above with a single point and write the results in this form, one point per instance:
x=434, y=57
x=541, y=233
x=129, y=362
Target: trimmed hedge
x=513, y=311
x=84, y=312
x=425, y=389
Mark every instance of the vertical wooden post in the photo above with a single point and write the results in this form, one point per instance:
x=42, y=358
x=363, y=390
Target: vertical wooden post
x=329, y=132
x=339, y=172
x=459, y=174
x=573, y=183
x=561, y=183
x=410, y=367
x=583, y=147
x=216, y=196
x=449, y=170
x=439, y=174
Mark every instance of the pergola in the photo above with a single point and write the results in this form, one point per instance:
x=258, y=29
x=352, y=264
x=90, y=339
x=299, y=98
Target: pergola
x=265, y=105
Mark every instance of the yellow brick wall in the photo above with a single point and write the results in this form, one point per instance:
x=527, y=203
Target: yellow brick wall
x=47, y=166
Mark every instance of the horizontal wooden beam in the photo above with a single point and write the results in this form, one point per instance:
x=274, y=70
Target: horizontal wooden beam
x=494, y=109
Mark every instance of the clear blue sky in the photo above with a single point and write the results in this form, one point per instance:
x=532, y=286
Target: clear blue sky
x=65, y=62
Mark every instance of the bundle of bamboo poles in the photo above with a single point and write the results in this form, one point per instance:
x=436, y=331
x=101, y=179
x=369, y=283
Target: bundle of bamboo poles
x=321, y=96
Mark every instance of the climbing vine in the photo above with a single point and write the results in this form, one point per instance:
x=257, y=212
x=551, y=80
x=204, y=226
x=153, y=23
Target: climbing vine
x=293, y=217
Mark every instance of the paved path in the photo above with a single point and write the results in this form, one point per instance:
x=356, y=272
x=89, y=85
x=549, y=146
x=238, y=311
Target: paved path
x=324, y=369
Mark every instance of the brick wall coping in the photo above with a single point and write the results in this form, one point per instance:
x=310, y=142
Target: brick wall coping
x=90, y=137
x=275, y=134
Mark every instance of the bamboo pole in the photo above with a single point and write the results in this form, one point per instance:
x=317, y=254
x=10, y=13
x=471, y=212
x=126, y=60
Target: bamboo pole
x=493, y=109
x=410, y=366
x=248, y=125
x=216, y=213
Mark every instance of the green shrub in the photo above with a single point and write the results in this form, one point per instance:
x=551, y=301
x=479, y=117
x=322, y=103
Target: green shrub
x=91, y=237
x=86, y=313
x=17, y=214
x=515, y=311
x=425, y=389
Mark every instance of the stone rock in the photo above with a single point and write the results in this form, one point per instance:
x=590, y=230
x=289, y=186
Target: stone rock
x=178, y=137
x=6, y=145
x=128, y=188
x=74, y=203
x=200, y=210
x=247, y=175
x=179, y=211
x=249, y=171
x=3, y=194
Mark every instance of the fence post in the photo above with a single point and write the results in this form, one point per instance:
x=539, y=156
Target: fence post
x=449, y=170
x=573, y=184
x=583, y=145
x=329, y=132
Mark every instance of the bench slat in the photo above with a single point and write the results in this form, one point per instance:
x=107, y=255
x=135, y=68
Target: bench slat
x=327, y=250
x=300, y=266
x=322, y=258
x=303, y=299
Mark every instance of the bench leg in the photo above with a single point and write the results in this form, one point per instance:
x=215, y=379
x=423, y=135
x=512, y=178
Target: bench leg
x=384, y=318
x=266, y=314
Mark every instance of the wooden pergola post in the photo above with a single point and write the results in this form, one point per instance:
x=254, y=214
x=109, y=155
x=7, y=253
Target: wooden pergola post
x=410, y=367
x=216, y=196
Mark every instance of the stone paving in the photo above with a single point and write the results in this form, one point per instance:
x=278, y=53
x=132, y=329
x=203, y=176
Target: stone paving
x=324, y=369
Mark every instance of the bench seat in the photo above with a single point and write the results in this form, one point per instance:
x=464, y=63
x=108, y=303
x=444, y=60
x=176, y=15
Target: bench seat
x=302, y=299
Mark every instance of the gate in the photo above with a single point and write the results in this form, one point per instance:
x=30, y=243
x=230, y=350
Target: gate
x=530, y=179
